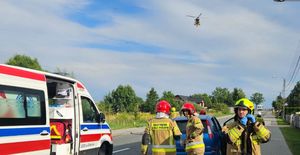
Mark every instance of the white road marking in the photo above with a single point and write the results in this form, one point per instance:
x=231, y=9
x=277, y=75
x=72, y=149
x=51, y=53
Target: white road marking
x=121, y=150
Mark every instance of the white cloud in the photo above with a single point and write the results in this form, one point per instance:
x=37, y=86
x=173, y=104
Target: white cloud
x=235, y=46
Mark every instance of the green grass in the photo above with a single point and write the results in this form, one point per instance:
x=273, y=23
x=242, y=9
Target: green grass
x=128, y=120
x=281, y=122
x=292, y=137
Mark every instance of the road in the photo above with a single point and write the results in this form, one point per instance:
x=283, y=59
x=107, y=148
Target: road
x=127, y=142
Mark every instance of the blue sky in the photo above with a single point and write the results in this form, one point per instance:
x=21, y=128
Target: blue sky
x=152, y=43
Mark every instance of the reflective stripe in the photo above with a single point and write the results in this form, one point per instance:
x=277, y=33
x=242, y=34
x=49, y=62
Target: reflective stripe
x=234, y=133
x=262, y=132
x=163, y=146
x=255, y=142
x=255, y=139
x=55, y=131
x=194, y=145
x=163, y=149
x=238, y=142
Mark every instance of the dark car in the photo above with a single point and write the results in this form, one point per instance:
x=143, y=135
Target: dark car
x=212, y=135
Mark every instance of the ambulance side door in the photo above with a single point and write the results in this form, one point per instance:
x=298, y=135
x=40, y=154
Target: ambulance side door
x=89, y=127
x=23, y=121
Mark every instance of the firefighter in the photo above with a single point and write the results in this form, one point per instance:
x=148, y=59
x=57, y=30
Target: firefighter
x=259, y=118
x=194, y=144
x=161, y=132
x=173, y=114
x=245, y=134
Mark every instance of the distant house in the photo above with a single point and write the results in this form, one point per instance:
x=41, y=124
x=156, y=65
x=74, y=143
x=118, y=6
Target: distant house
x=196, y=100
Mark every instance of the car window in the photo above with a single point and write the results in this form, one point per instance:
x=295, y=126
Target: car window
x=217, y=124
x=182, y=125
x=229, y=121
x=205, y=125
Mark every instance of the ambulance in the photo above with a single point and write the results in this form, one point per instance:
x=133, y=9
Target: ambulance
x=44, y=113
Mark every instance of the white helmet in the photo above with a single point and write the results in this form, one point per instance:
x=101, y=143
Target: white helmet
x=259, y=113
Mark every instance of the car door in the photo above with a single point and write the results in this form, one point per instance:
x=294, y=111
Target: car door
x=220, y=135
x=89, y=127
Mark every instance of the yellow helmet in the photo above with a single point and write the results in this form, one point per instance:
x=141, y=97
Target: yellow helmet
x=244, y=102
x=173, y=109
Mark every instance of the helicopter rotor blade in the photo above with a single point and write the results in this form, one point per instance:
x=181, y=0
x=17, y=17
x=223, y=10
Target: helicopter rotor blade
x=200, y=14
x=190, y=16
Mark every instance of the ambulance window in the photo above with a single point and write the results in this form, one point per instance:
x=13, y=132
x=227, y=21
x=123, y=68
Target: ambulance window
x=89, y=111
x=21, y=106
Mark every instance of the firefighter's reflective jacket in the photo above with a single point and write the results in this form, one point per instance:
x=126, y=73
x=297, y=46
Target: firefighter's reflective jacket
x=162, y=132
x=194, y=136
x=245, y=140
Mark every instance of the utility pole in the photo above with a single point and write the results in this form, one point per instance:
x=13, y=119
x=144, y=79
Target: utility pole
x=283, y=88
x=283, y=96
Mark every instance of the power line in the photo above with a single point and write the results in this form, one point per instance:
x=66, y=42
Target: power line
x=295, y=72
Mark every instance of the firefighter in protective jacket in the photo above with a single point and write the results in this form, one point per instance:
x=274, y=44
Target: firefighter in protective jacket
x=194, y=144
x=161, y=132
x=245, y=134
x=174, y=113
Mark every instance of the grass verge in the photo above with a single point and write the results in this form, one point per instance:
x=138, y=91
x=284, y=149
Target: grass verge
x=280, y=121
x=128, y=120
x=291, y=136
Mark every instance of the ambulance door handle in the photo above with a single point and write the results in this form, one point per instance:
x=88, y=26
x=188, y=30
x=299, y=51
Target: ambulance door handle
x=44, y=133
x=85, y=129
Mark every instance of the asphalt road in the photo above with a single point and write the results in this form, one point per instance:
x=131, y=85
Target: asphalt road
x=127, y=142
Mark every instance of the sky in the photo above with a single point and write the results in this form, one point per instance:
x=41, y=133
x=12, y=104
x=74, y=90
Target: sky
x=247, y=44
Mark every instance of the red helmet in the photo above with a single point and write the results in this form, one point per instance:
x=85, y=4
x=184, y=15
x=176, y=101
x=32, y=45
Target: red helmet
x=188, y=106
x=163, y=106
x=202, y=112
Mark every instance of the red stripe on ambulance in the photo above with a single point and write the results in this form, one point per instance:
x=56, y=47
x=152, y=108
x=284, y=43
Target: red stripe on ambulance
x=80, y=86
x=90, y=137
x=22, y=73
x=21, y=147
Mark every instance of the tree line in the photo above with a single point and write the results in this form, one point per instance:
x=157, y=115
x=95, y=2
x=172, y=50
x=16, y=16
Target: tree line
x=291, y=103
x=124, y=98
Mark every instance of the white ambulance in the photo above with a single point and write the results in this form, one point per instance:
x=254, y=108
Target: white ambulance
x=44, y=113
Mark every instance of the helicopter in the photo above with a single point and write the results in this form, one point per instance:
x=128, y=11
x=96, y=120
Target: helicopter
x=196, y=19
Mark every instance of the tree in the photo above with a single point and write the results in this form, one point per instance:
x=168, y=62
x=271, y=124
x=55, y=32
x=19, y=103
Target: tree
x=222, y=95
x=24, y=61
x=151, y=100
x=257, y=98
x=237, y=94
x=294, y=97
x=170, y=97
x=121, y=99
x=278, y=103
x=64, y=72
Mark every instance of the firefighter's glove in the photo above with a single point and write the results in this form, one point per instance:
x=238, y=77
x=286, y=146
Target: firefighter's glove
x=244, y=120
x=251, y=118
